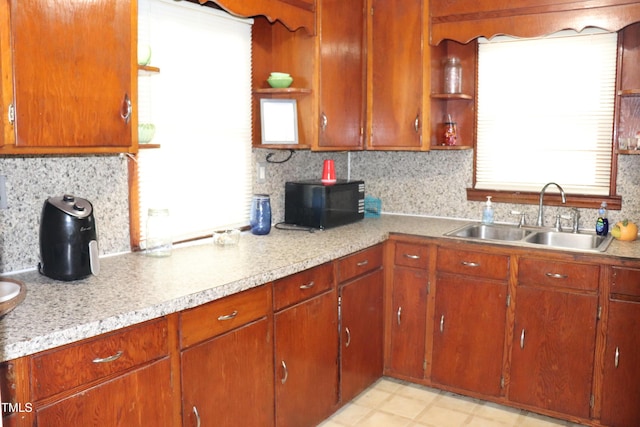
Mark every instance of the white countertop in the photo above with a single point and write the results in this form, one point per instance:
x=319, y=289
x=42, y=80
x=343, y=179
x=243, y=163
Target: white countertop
x=133, y=288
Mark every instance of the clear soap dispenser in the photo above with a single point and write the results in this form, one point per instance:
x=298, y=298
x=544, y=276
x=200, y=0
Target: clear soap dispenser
x=487, y=212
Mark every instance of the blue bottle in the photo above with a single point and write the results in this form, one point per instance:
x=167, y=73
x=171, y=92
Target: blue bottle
x=260, y=220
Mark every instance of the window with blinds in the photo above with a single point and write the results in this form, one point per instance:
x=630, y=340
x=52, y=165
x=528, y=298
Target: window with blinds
x=200, y=103
x=546, y=111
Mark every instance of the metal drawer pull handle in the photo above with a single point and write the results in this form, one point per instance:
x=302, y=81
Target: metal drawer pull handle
x=309, y=285
x=228, y=316
x=412, y=256
x=399, y=315
x=108, y=359
x=286, y=372
x=556, y=276
x=363, y=263
x=442, y=323
x=324, y=121
x=617, y=358
x=195, y=412
x=470, y=264
x=416, y=123
x=348, y=337
x=522, y=340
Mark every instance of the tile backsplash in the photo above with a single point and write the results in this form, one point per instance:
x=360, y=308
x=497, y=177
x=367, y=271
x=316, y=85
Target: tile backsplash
x=426, y=184
x=31, y=180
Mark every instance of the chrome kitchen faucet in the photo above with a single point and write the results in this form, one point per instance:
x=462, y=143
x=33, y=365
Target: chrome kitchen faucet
x=540, y=221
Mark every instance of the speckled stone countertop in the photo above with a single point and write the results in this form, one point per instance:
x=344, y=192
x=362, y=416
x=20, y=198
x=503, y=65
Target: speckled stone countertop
x=133, y=288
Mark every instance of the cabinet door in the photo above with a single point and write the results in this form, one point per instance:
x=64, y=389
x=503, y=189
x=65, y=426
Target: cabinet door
x=468, y=343
x=408, y=322
x=342, y=74
x=6, y=76
x=396, y=88
x=73, y=73
x=553, y=350
x=361, y=341
x=228, y=380
x=306, y=357
x=621, y=386
x=140, y=397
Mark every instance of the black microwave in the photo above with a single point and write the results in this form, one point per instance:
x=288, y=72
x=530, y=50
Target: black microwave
x=316, y=205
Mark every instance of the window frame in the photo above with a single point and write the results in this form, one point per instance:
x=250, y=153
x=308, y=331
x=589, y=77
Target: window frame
x=614, y=201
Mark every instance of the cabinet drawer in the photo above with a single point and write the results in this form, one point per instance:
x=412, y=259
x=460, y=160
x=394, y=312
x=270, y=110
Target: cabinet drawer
x=625, y=281
x=76, y=364
x=559, y=274
x=214, y=318
x=478, y=264
x=359, y=263
x=411, y=255
x=301, y=286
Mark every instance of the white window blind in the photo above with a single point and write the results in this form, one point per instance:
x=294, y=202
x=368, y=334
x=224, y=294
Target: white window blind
x=545, y=112
x=200, y=103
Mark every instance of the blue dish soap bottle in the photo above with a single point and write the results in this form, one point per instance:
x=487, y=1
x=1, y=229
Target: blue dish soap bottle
x=602, y=223
x=487, y=212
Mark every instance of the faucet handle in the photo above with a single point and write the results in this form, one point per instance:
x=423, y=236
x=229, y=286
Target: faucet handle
x=523, y=219
x=559, y=219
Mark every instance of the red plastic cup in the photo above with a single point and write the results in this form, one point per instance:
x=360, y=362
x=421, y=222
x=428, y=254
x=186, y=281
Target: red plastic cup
x=329, y=172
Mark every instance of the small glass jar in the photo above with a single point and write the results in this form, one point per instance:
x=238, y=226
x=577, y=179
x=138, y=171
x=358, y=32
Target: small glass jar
x=452, y=75
x=449, y=133
x=260, y=220
x=159, y=237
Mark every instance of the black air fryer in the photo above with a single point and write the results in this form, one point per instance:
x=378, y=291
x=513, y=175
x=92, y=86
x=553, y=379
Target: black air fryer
x=68, y=242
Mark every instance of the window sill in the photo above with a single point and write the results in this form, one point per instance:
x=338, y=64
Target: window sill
x=550, y=199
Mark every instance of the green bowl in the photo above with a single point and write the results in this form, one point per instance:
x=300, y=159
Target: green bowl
x=281, y=82
x=146, y=131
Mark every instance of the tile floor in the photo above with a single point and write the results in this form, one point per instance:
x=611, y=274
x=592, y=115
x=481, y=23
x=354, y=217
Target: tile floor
x=394, y=403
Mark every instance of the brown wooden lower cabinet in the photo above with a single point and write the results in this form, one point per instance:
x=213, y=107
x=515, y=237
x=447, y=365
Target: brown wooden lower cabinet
x=554, y=336
x=621, y=379
x=361, y=353
x=228, y=381
x=553, y=350
x=270, y=356
x=138, y=398
x=621, y=386
x=306, y=361
x=468, y=333
x=407, y=321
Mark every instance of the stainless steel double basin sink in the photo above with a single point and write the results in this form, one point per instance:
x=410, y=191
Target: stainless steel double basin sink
x=543, y=237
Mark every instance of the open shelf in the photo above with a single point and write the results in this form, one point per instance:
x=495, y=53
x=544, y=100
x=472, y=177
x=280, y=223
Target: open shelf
x=452, y=96
x=147, y=70
x=282, y=91
x=629, y=92
x=284, y=146
x=452, y=147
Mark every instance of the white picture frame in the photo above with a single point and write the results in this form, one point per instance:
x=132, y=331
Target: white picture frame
x=279, y=121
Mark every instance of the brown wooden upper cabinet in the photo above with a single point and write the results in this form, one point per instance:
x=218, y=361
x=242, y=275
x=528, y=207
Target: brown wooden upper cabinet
x=68, y=81
x=328, y=72
x=462, y=20
x=398, y=76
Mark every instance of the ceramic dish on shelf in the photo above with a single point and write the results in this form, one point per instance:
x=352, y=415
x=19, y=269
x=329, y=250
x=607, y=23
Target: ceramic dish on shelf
x=146, y=131
x=280, y=82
